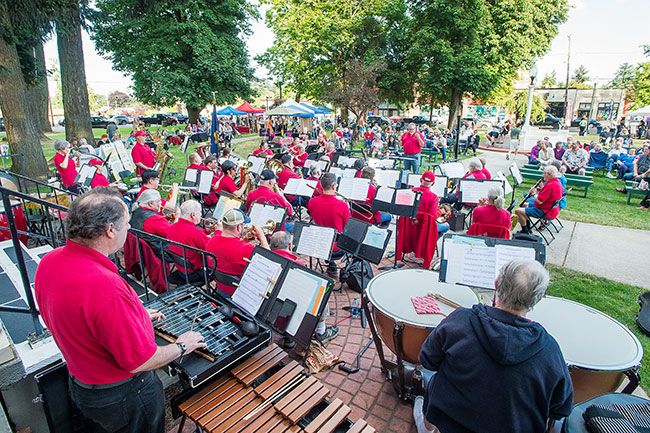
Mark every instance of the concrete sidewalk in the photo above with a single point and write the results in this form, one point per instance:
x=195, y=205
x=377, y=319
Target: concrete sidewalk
x=619, y=254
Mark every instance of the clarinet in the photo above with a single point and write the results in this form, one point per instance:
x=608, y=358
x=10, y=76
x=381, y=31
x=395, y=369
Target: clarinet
x=529, y=195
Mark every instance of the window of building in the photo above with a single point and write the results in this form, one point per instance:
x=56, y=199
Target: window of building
x=584, y=109
x=607, y=110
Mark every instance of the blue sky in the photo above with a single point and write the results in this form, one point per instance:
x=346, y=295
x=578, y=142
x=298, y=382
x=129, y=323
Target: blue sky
x=604, y=34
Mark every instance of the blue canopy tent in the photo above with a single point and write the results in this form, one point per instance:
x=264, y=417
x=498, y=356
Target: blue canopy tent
x=316, y=110
x=229, y=111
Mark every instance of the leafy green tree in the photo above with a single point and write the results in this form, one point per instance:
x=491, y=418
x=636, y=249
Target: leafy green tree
x=472, y=47
x=516, y=104
x=117, y=99
x=96, y=100
x=360, y=93
x=625, y=78
x=549, y=81
x=178, y=50
x=580, y=75
x=642, y=85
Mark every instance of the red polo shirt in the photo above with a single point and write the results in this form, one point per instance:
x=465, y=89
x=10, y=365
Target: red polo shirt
x=96, y=318
x=369, y=135
x=319, y=189
x=262, y=152
x=99, y=180
x=198, y=167
x=488, y=214
x=411, y=144
x=227, y=184
x=285, y=175
x=157, y=225
x=328, y=211
x=486, y=173
x=475, y=175
x=144, y=154
x=299, y=159
x=428, y=201
x=68, y=174
x=550, y=193
x=376, y=217
x=185, y=232
x=289, y=255
x=143, y=188
x=230, y=253
x=264, y=194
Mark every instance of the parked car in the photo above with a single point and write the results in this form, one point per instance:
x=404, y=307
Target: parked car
x=2, y=124
x=101, y=122
x=155, y=119
x=549, y=121
x=122, y=120
x=180, y=118
x=575, y=123
x=378, y=120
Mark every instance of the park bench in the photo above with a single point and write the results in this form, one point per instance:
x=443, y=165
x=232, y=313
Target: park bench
x=588, y=170
x=574, y=181
x=631, y=191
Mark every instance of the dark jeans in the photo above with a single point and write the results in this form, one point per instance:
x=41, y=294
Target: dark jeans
x=137, y=406
x=646, y=201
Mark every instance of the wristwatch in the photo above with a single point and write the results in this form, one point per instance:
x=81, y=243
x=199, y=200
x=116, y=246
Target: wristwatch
x=182, y=347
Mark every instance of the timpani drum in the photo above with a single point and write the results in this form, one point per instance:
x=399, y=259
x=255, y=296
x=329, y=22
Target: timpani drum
x=390, y=295
x=599, y=350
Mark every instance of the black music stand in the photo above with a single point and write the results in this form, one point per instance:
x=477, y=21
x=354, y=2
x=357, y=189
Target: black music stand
x=396, y=208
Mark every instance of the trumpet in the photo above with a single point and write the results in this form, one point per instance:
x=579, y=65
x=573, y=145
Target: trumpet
x=267, y=228
x=180, y=188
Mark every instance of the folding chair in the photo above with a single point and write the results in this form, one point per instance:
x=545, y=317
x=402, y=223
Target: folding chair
x=184, y=272
x=489, y=230
x=545, y=223
x=227, y=280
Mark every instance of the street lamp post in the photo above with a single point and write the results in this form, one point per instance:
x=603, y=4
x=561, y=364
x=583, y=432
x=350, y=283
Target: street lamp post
x=531, y=88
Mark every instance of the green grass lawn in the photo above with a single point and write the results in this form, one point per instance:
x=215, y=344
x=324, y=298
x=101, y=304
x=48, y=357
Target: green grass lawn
x=615, y=299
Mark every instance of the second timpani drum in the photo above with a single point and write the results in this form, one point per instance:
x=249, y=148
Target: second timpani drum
x=599, y=350
x=390, y=295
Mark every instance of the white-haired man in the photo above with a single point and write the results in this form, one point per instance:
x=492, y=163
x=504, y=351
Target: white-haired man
x=546, y=204
x=493, y=363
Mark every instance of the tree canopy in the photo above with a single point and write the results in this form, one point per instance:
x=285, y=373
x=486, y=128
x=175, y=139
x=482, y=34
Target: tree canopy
x=178, y=49
x=549, y=81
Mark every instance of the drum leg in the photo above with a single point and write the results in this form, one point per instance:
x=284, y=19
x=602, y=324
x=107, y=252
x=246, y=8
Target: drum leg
x=181, y=425
x=397, y=340
x=378, y=344
x=634, y=377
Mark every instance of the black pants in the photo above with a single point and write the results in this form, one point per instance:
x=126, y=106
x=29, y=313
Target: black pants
x=646, y=201
x=336, y=255
x=137, y=406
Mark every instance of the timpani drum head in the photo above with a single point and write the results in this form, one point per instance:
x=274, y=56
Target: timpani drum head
x=391, y=293
x=588, y=338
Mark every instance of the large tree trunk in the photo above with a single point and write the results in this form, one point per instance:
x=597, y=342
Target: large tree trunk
x=193, y=114
x=455, y=106
x=73, y=75
x=22, y=129
x=43, y=92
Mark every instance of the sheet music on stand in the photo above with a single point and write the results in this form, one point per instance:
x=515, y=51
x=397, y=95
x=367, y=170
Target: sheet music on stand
x=258, y=164
x=225, y=203
x=204, y=181
x=516, y=174
x=261, y=213
x=301, y=187
x=255, y=283
x=381, y=163
x=402, y=202
x=472, y=190
x=387, y=177
x=364, y=240
x=322, y=165
x=507, y=188
x=453, y=170
x=475, y=261
x=313, y=241
x=354, y=188
x=413, y=179
x=86, y=175
x=345, y=162
x=191, y=177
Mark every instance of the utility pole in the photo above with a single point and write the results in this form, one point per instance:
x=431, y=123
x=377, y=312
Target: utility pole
x=566, y=85
x=593, y=102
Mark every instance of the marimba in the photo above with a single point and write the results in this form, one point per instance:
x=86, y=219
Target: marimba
x=267, y=394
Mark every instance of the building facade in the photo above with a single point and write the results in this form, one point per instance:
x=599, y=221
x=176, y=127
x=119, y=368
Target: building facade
x=601, y=104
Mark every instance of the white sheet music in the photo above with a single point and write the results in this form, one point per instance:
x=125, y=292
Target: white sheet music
x=349, y=173
x=225, y=204
x=385, y=194
x=507, y=188
x=259, y=277
x=375, y=237
x=86, y=174
x=345, y=161
x=316, y=241
x=507, y=253
x=440, y=187
x=300, y=187
x=205, y=181
x=354, y=188
x=472, y=190
x=261, y=213
x=381, y=163
x=387, y=177
x=413, y=179
x=453, y=170
x=258, y=164
x=336, y=171
x=305, y=290
x=190, y=175
x=480, y=262
x=516, y=174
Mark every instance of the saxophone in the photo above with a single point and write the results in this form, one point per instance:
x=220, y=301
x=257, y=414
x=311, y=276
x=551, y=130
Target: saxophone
x=163, y=157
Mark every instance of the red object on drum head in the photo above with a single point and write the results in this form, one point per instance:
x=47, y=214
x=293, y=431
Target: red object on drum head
x=425, y=305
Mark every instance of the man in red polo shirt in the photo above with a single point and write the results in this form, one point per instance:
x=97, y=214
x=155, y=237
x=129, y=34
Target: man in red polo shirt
x=266, y=192
x=230, y=250
x=544, y=205
x=185, y=231
x=100, y=325
x=99, y=180
x=151, y=181
x=195, y=162
x=287, y=171
x=143, y=156
x=412, y=144
x=327, y=210
x=300, y=157
x=147, y=216
x=227, y=183
x=263, y=151
x=65, y=165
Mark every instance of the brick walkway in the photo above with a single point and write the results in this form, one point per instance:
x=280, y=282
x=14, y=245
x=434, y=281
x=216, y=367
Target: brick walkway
x=367, y=392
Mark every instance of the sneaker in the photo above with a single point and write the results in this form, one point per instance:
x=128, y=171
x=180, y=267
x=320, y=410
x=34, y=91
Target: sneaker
x=330, y=333
x=418, y=415
x=610, y=175
x=623, y=190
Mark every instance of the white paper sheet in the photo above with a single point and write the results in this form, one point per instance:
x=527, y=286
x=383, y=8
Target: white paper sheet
x=381, y=163
x=473, y=190
x=259, y=277
x=440, y=187
x=385, y=194
x=190, y=175
x=479, y=266
x=205, y=181
x=507, y=188
x=413, y=179
x=516, y=174
x=404, y=197
x=375, y=237
x=508, y=253
x=354, y=188
x=223, y=205
x=453, y=170
x=349, y=173
x=336, y=171
x=258, y=164
x=345, y=161
x=261, y=213
x=316, y=242
x=86, y=174
x=303, y=289
x=300, y=187
x=387, y=177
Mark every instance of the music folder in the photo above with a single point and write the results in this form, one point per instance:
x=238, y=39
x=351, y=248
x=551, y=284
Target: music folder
x=269, y=280
x=301, y=187
x=364, y=240
x=313, y=240
x=226, y=202
x=86, y=175
x=354, y=188
x=191, y=177
x=402, y=202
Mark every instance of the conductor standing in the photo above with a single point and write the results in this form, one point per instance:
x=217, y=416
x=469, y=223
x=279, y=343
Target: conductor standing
x=99, y=324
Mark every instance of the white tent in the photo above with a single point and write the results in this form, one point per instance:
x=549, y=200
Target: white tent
x=643, y=112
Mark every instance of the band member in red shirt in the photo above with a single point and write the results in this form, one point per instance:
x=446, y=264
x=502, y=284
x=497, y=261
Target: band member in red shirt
x=227, y=183
x=263, y=151
x=545, y=200
x=429, y=200
x=380, y=218
x=151, y=181
x=474, y=170
x=300, y=157
x=99, y=323
x=412, y=144
x=230, y=249
x=267, y=192
x=195, y=162
x=143, y=156
x=484, y=170
x=359, y=164
x=99, y=180
x=315, y=174
x=287, y=172
x=328, y=210
x=330, y=150
x=65, y=165
x=147, y=216
x=492, y=210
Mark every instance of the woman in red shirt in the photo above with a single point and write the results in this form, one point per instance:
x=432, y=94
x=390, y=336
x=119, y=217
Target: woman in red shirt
x=492, y=211
x=65, y=165
x=263, y=151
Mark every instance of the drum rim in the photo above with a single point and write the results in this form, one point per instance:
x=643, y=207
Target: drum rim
x=613, y=368
x=401, y=319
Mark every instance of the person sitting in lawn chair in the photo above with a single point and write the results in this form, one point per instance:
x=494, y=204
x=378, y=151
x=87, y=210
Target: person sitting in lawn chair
x=546, y=198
